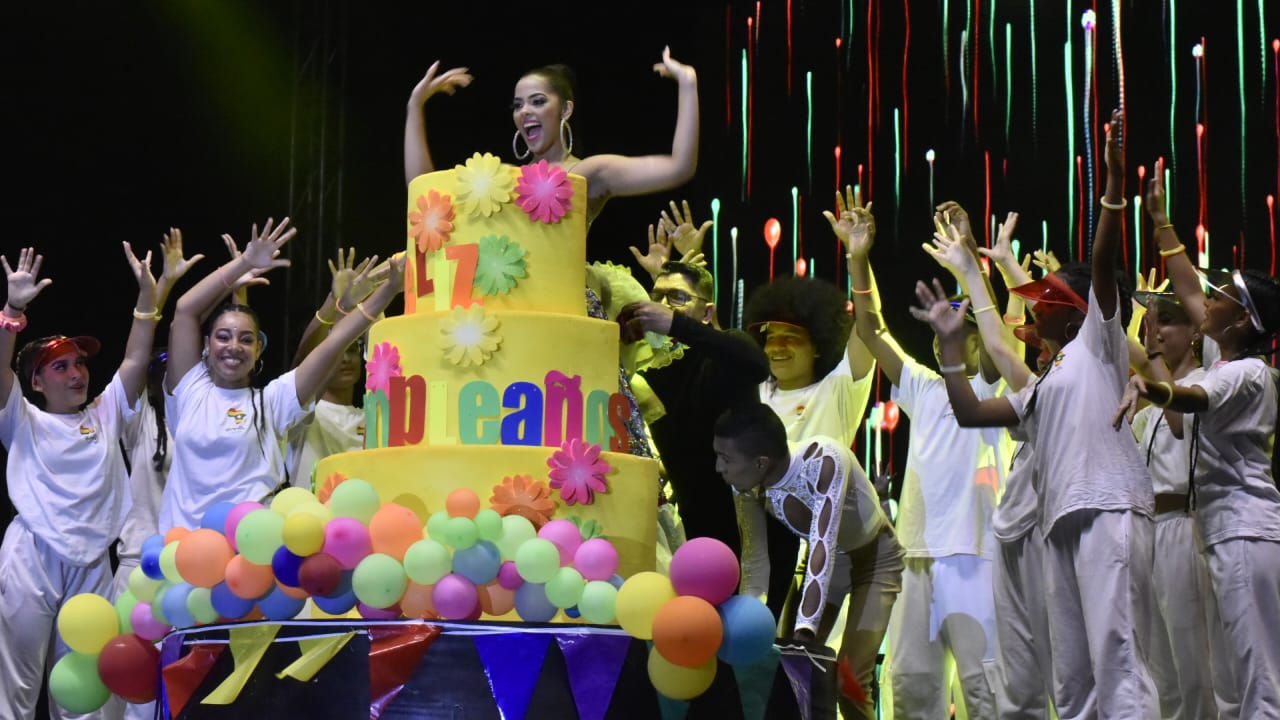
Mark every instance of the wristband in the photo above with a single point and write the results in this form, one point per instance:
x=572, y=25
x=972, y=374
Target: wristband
x=321, y=320
x=1173, y=251
x=153, y=315
x=1166, y=226
x=1112, y=206
x=365, y=313
x=15, y=308
x=984, y=308
x=1154, y=355
x=337, y=304
x=1169, y=400
x=868, y=291
x=1015, y=319
x=12, y=324
x=957, y=368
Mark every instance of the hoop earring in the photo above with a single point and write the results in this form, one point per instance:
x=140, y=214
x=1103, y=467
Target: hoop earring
x=257, y=368
x=566, y=144
x=515, y=148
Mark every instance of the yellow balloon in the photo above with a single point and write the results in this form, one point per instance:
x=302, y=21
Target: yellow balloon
x=303, y=534
x=321, y=511
x=639, y=600
x=680, y=683
x=87, y=622
x=290, y=499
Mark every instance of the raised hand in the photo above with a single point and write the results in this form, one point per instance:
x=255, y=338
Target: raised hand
x=434, y=82
x=935, y=309
x=949, y=250
x=1114, y=155
x=175, y=264
x=141, y=271
x=856, y=226
x=658, y=254
x=1001, y=253
x=263, y=249
x=1046, y=261
x=953, y=214
x=22, y=282
x=353, y=282
x=683, y=235
x=395, y=272
x=674, y=69
x=1154, y=199
x=1133, y=392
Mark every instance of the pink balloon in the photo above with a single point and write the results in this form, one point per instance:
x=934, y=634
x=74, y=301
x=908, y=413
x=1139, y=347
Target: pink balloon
x=347, y=540
x=455, y=597
x=705, y=567
x=234, y=517
x=565, y=536
x=145, y=624
x=509, y=576
x=596, y=559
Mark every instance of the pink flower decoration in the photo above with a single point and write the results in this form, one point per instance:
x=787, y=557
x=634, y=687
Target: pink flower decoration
x=544, y=192
x=578, y=472
x=384, y=365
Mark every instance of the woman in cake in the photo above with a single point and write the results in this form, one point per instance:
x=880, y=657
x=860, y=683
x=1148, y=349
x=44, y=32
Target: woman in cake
x=227, y=435
x=65, y=470
x=541, y=109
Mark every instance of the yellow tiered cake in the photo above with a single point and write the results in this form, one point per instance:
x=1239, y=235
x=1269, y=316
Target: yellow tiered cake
x=495, y=379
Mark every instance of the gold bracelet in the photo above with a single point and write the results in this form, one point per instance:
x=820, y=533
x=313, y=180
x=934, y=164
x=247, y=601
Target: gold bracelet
x=1166, y=226
x=868, y=291
x=365, y=313
x=1168, y=401
x=984, y=308
x=153, y=315
x=1173, y=251
x=337, y=305
x=321, y=320
x=1015, y=319
x=957, y=368
x=1111, y=206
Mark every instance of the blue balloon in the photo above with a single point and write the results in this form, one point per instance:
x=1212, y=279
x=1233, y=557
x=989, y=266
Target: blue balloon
x=175, y=606
x=154, y=543
x=215, y=518
x=278, y=606
x=749, y=630
x=532, y=604
x=344, y=585
x=228, y=604
x=479, y=563
x=616, y=581
x=572, y=612
x=285, y=565
x=338, y=604
x=150, y=564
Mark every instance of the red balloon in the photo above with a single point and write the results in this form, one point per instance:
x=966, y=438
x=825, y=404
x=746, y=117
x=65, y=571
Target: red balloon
x=320, y=574
x=130, y=667
x=772, y=232
x=891, y=416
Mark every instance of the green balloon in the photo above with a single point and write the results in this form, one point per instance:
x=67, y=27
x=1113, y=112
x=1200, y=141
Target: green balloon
x=597, y=604
x=438, y=526
x=515, y=530
x=461, y=533
x=354, y=498
x=200, y=605
x=169, y=563
x=537, y=560
x=75, y=685
x=259, y=535
x=489, y=523
x=379, y=581
x=157, y=602
x=564, y=589
x=426, y=561
x=142, y=587
x=124, y=609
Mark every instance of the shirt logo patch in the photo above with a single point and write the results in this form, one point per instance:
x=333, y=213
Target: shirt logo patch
x=236, y=415
x=88, y=434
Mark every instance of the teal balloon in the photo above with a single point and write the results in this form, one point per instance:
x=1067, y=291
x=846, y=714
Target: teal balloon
x=379, y=581
x=537, y=560
x=489, y=522
x=169, y=562
x=564, y=589
x=200, y=605
x=598, y=603
x=75, y=685
x=124, y=608
x=438, y=526
x=354, y=498
x=426, y=561
x=157, y=603
x=515, y=530
x=461, y=533
x=259, y=535
x=175, y=606
x=532, y=604
x=479, y=563
x=749, y=630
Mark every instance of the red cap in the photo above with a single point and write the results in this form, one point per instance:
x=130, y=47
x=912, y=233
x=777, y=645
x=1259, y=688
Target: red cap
x=60, y=345
x=1050, y=289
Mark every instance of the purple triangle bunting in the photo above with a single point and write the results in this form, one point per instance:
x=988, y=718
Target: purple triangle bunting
x=755, y=683
x=799, y=669
x=512, y=663
x=594, y=662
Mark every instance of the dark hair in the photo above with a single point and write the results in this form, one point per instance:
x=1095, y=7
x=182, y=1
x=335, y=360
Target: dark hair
x=560, y=77
x=697, y=276
x=814, y=304
x=155, y=397
x=755, y=426
x=1079, y=277
x=1264, y=291
x=22, y=366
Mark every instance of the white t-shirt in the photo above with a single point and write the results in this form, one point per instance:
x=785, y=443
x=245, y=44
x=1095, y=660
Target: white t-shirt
x=1236, y=496
x=218, y=452
x=327, y=430
x=952, y=474
x=66, y=472
x=146, y=484
x=831, y=407
x=1082, y=462
x=1168, y=458
x=1019, y=506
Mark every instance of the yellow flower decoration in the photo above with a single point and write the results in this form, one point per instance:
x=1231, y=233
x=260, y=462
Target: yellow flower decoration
x=484, y=185
x=469, y=335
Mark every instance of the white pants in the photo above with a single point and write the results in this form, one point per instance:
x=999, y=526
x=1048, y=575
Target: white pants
x=34, y=583
x=1180, y=653
x=1246, y=581
x=945, y=609
x=1097, y=593
x=1023, y=656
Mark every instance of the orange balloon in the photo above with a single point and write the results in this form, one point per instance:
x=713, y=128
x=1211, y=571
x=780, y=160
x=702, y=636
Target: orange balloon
x=293, y=592
x=496, y=600
x=247, y=580
x=416, y=602
x=393, y=528
x=687, y=631
x=462, y=502
x=175, y=533
x=202, y=557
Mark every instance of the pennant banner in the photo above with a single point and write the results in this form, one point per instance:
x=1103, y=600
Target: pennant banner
x=594, y=661
x=316, y=653
x=248, y=645
x=512, y=663
x=394, y=654
x=799, y=669
x=755, y=684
